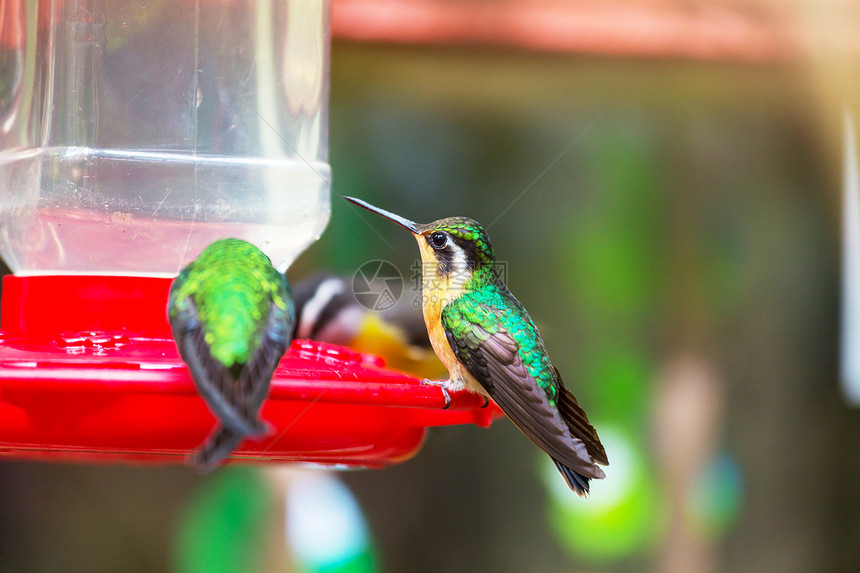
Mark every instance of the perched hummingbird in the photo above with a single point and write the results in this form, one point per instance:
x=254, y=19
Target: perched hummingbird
x=490, y=345
x=232, y=317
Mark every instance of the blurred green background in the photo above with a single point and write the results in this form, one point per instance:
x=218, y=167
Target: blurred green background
x=671, y=225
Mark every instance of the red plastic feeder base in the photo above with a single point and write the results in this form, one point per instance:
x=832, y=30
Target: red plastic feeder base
x=89, y=372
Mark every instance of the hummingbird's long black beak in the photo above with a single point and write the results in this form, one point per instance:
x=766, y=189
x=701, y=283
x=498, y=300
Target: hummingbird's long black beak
x=410, y=226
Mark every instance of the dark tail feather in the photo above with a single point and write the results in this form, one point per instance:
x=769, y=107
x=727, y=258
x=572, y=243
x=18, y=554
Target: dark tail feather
x=217, y=447
x=578, y=483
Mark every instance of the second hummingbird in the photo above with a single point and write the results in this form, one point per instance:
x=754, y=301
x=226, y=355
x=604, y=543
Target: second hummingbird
x=489, y=344
x=232, y=316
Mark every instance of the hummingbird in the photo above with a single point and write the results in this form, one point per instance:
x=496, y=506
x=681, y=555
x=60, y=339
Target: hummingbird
x=328, y=311
x=490, y=345
x=232, y=316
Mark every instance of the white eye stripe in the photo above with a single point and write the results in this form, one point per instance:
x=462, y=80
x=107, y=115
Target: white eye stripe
x=459, y=262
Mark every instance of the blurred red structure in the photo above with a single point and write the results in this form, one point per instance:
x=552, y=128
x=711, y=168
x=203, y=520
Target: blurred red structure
x=759, y=31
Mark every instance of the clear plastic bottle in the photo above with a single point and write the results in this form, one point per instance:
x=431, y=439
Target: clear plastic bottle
x=134, y=133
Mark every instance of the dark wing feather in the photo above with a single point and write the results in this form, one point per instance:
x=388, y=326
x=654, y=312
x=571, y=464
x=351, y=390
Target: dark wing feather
x=578, y=422
x=492, y=359
x=213, y=381
x=256, y=376
x=223, y=440
x=234, y=397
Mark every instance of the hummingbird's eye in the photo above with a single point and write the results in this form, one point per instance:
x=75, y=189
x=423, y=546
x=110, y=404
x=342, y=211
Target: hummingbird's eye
x=438, y=239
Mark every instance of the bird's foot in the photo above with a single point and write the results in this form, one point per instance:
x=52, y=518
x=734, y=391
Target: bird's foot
x=442, y=384
x=486, y=401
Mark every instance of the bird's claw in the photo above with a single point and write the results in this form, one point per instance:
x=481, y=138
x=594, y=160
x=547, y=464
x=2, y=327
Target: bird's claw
x=441, y=385
x=486, y=401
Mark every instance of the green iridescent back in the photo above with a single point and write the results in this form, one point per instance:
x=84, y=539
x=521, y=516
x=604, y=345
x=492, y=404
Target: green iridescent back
x=233, y=286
